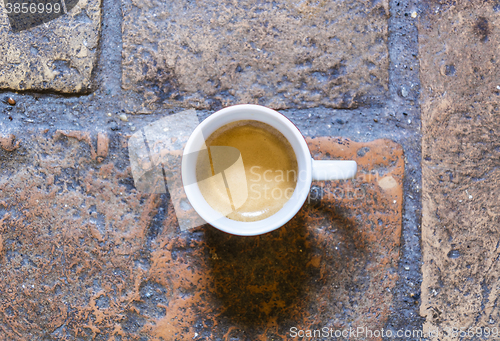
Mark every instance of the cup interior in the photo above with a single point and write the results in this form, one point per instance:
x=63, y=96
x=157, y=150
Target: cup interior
x=228, y=115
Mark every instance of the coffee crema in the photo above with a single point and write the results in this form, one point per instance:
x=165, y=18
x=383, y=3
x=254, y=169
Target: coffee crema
x=257, y=184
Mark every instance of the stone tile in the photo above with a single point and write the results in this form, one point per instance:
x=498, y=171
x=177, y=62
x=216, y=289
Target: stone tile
x=280, y=54
x=59, y=55
x=460, y=148
x=84, y=255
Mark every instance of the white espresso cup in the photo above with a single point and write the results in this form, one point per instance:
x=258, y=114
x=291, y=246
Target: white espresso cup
x=308, y=169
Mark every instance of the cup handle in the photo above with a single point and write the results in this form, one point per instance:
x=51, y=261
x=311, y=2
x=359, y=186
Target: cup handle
x=323, y=170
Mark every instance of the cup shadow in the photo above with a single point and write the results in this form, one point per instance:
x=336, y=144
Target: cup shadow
x=257, y=279
x=276, y=276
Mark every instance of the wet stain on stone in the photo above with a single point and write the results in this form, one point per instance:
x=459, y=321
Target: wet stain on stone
x=449, y=70
x=133, y=323
x=453, y=254
x=362, y=151
x=153, y=301
x=161, y=81
x=315, y=195
x=482, y=29
x=157, y=222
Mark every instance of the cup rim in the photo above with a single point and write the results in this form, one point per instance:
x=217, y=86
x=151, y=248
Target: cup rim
x=291, y=207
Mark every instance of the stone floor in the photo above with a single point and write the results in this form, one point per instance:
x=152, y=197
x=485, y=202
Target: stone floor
x=410, y=90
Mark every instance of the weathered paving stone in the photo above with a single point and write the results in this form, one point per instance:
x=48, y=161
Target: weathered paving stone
x=59, y=55
x=282, y=54
x=459, y=65
x=83, y=255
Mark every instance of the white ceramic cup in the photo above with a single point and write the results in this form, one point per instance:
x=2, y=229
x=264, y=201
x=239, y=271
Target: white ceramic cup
x=308, y=169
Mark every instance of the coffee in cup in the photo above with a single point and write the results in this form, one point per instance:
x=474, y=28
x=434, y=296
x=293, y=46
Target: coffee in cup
x=270, y=170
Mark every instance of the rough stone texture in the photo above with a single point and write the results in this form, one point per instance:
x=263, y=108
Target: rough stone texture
x=282, y=54
x=83, y=255
x=56, y=56
x=459, y=60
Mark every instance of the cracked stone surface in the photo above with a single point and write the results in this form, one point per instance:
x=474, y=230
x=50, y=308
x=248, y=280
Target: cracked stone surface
x=459, y=60
x=59, y=55
x=281, y=54
x=84, y=255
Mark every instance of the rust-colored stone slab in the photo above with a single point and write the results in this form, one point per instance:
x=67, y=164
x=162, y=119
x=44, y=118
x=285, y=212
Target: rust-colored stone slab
x=83, y=255
x=282, y=54
x=57, y=56
x=459, y=64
